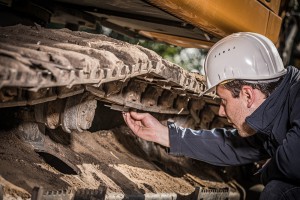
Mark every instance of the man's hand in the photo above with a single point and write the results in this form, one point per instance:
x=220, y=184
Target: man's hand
x=147, y=127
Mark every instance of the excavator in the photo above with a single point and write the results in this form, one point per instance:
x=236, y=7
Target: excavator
x=61, y=81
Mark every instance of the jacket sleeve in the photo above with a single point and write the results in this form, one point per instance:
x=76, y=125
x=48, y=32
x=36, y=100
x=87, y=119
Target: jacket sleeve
x=285, y=165
x=217, y=146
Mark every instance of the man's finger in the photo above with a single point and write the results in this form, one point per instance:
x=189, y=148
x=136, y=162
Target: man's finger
x=138, y=116
x=131, y=123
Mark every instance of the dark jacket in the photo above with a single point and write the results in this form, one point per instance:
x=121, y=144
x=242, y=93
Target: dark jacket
x=277, y=126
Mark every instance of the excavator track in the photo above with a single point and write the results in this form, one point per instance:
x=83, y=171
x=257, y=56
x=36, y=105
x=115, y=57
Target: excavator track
x=39, y=65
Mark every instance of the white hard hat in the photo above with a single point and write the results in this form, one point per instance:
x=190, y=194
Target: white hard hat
x=245, y=56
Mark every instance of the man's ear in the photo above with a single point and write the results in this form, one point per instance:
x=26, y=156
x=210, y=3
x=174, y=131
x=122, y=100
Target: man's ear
x=248, y=94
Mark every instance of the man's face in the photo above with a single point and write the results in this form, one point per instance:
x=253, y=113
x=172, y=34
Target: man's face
x=235, y=110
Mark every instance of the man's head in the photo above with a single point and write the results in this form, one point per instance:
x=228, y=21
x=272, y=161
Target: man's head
x=243, y=68
x=242, y=56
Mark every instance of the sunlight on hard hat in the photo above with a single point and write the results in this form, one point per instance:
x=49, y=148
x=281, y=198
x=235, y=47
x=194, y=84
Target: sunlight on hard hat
x=249, y=62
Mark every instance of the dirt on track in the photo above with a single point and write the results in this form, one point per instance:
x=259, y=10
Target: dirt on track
x=115, y=159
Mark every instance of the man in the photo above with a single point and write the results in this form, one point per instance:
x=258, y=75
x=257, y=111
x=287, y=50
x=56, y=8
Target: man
x=260, y=98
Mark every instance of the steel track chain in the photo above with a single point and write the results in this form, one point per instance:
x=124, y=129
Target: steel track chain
x=39, y=65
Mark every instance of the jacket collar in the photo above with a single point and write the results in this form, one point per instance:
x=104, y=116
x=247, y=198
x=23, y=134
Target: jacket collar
x=261, y=120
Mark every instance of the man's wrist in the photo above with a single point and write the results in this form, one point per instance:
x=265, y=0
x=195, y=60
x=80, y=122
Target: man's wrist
x=163, y=136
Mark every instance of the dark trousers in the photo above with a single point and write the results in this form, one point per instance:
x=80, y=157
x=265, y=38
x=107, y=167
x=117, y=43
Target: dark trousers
x=278, y=190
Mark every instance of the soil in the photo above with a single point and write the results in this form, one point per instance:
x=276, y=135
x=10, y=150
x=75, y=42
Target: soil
x=112, y=158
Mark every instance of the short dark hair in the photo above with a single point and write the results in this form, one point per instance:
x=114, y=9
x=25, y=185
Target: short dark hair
x=266, y=88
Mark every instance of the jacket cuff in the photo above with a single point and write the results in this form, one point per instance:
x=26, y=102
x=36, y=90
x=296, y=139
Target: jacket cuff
x=175, y=139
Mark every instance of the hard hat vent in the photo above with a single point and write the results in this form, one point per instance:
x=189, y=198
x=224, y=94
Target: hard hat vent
x=224, y=51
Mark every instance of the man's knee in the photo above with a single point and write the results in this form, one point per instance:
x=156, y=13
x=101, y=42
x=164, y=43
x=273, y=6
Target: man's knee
x=279, y=190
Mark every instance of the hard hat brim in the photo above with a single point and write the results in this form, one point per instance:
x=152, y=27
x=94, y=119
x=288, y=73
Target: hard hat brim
x=213, y=88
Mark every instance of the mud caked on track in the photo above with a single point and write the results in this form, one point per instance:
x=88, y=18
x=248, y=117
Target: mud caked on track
x=60, y=89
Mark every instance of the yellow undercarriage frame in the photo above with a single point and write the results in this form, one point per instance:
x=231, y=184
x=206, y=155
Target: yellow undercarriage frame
x=221, y=18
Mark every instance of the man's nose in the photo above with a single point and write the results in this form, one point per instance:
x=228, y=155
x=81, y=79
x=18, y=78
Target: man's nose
x=222, y=112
